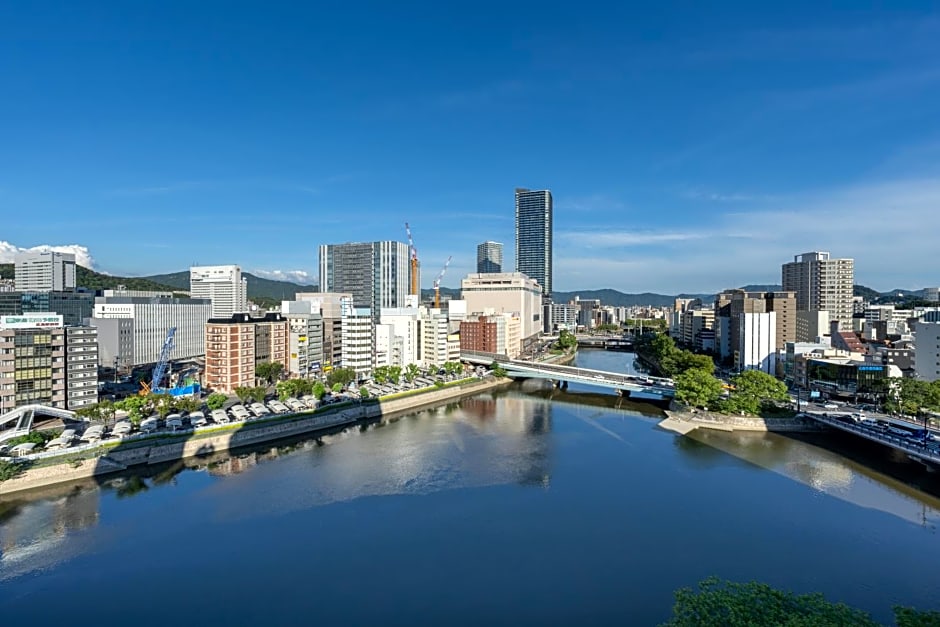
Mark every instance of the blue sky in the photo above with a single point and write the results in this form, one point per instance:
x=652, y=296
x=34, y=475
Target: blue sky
x=689, y=146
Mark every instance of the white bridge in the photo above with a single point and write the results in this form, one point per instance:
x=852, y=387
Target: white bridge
x=23, y=419
x=635, y=386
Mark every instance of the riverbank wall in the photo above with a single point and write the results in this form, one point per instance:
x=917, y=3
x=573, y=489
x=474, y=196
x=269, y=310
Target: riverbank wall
x=683, y=420
x=121, y=456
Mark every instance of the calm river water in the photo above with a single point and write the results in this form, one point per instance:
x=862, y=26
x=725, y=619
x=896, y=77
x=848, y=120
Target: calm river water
x=525, y=506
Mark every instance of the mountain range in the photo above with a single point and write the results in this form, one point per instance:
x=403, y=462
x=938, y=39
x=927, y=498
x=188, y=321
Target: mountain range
x=270, y=291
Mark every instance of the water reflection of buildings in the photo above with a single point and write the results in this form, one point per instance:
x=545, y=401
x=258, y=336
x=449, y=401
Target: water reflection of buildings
x=38, y=526
x=484, y=441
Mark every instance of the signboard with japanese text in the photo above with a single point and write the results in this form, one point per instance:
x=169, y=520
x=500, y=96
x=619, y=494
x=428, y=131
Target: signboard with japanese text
x=31, y=321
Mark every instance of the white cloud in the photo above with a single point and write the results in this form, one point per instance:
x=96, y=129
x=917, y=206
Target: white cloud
x=609, y=239
x=295, y=276
x=82, y=254
x=889, y=228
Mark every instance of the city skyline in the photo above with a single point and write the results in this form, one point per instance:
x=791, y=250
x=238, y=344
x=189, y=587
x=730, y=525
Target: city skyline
x=687, y=151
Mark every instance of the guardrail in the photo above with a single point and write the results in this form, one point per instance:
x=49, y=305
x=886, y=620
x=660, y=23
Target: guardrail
x=904, y=444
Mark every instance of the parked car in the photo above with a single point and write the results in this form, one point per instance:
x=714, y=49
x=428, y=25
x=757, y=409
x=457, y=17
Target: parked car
x=197, y=419
x=259, y=410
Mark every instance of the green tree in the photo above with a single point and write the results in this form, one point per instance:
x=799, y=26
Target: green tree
x=567, y=340
x=11, y=470
x=363, y=392
x=411, y=372
x=216, y=401
x=343, y=376
x=719, y=603
x=394, y=374
x=698, y=387
x=163, y=403
x=186, y=404
x=337, y=388
x=89, y=412
x=752, y=390
x=137, y=407
x=685, y=360
x=268, y=371
x=319, y=390
x=243, y=394
x=497, y=370
x=909, y=396
x=380, y=375
x=258, y=393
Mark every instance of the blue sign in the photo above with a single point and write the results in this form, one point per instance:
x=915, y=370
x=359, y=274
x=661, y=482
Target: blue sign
x=814, y=394
x=872, y=368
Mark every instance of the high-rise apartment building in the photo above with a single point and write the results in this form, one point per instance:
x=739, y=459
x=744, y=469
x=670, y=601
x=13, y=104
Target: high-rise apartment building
x=375, y=273
x=223, y=285
x=489, y=257
x=822, y=284
x=81, y=366
x=44, y=271
x=534, y=236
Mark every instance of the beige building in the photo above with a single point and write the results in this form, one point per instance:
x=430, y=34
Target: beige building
x=731, y=304
x=811, y=325
x=506, y=292
x=234, y=346
x=822, y=284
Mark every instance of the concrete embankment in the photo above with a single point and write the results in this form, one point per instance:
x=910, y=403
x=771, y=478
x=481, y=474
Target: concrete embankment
x=683, y=421
x=118, y=457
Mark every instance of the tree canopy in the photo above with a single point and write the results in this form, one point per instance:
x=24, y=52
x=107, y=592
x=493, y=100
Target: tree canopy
x=698, y=387
x=752, y=390
x=718, y=603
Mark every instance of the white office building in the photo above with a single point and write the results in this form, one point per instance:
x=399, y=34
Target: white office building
x=506, y=292
x=223, y=285
x=44, y=271
x=131, y=331
x=398, y=337
x=758, y=342
x=357, y=341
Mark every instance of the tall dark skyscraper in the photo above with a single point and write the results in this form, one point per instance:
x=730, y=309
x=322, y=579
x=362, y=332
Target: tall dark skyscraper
x=534, y=236
x=489, y=258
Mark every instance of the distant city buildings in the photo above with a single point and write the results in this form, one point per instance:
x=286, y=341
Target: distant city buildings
x=489, y=257
x=822, y=284
x=44, y=271
x=376, y=274
x=534, y=236
x=224, y=286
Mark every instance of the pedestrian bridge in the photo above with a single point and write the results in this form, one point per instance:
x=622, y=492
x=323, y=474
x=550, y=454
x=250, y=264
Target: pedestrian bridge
x=635, y=386
x=22, y=419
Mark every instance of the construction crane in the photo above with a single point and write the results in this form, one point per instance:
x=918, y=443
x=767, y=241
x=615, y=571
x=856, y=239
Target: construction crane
x=414, y=263
x=159, y=371
x=437, y=284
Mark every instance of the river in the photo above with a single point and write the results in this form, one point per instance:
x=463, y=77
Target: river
x=523, y=506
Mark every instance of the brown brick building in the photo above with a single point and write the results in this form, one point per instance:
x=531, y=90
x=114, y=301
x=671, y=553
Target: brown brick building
x=235, y=345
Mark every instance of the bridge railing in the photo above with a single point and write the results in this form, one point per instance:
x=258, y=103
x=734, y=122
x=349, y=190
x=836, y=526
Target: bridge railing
x=885, y=438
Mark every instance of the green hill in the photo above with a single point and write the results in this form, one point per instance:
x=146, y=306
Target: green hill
x=97, y=281
x=258, y=287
